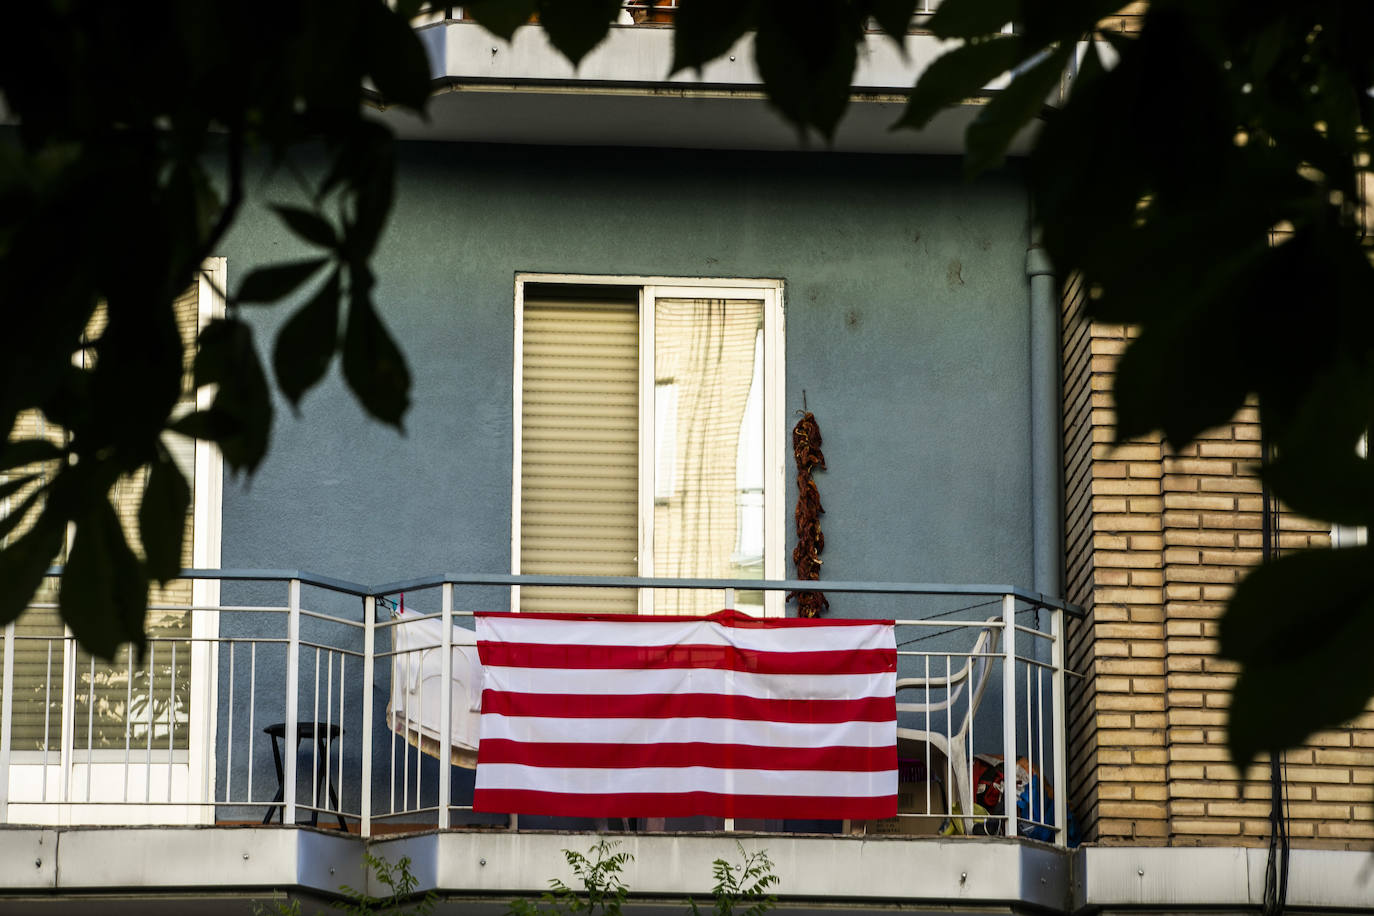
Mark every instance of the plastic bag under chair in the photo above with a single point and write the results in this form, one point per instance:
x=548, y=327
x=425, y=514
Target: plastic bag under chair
x=416, y=682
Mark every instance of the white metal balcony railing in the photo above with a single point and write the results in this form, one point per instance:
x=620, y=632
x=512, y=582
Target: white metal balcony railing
x=186, y=734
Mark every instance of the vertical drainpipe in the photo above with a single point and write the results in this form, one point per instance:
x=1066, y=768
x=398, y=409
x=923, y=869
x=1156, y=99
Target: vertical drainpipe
x=1047, y=488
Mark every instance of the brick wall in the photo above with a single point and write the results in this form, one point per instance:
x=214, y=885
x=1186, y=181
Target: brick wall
x=1079, y=568
x=1156, y=541
x=1127, y=19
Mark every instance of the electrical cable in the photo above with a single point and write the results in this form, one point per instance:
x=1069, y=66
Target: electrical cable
x=950, y=613
x=960, y=610
x=1276, y=866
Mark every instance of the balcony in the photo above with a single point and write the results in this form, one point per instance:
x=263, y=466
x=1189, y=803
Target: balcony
x=183, y=735
x=524, y=91
x=177, y=758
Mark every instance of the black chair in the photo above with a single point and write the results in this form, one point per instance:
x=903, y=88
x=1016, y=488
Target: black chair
x=322, y=735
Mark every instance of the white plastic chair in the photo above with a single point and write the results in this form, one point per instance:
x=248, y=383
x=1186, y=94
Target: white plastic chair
x=953, y=742
x=416, y=682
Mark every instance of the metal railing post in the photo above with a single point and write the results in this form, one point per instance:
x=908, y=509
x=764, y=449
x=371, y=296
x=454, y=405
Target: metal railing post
x=68, y=722
x=1009, y=711
x=6, y=722
x=446, y=707
x=293, y=674
x=204, y=729
x=729, y=823
x=1059, y=723
x=1049, y=775
x=369, y=672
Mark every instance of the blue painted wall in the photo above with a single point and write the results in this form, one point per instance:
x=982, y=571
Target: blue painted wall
x=907, y=327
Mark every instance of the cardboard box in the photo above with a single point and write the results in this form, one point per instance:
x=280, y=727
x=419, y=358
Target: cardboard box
x=917, y=793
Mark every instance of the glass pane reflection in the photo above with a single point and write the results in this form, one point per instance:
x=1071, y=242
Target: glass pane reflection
x=708, y=468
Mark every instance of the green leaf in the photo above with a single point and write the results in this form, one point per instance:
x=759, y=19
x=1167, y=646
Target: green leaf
x=16, y=514
x=372, y=187
x=1315, y=485
x=396, y=59
x=192, y=201
x=24, y=563
x=268, y=284
x=1268, y=47
x=310, y=226
x=807, y=65
x=306, y=343
x=14, y=485
x=1047, y=21
x=240, y=418
x=972, y=18
x=355, y=157
x=1323, y=389
x=1301, y=627
x=20, y=452
x=1010, y=110
x=893, y=16
x=501, y=17
x=199, y=424
x=576, y=26
x=1151, y=393
x=958, y=75
x=137, y=377
x=706, y=29
x=1214, y=309
x=214, y=346
x=372, y=363
x=1318, y=471
x=104, y=588
x=162, y=518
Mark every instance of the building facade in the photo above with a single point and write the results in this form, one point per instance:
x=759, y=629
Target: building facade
x=1157, y=541
x=617, y=292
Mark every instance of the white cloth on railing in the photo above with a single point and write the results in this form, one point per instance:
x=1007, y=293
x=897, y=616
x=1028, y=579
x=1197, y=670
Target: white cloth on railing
x=416, y=682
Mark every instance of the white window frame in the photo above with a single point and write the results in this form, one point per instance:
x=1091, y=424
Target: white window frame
x=77, y=787
x=207, y=531
x=770, y=291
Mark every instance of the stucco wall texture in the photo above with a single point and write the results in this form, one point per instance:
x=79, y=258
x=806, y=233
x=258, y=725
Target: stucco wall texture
x=906, y=327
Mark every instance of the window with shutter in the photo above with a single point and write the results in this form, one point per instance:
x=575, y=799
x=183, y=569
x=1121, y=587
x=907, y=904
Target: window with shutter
x=649, y=440
x=86, y=717
x=149, y=697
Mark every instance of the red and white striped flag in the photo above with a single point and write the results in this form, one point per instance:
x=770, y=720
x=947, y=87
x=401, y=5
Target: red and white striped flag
x=727, y=715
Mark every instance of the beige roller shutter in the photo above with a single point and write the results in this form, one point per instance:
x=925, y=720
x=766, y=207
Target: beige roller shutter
x=108, y=693
x=579, y=460
x=38, y=645
x=38, y=654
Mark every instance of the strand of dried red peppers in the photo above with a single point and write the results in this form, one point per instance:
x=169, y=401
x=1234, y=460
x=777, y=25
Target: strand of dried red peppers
x=806, y=446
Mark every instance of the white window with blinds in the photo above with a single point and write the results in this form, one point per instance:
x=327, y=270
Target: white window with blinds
x=131, y=729
x=648, y=439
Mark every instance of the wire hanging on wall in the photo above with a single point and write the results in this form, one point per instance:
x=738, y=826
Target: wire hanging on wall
x=1276, y=866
